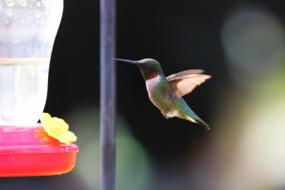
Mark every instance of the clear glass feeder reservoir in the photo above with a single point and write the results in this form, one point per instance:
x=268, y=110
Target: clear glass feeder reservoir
x=27, y=32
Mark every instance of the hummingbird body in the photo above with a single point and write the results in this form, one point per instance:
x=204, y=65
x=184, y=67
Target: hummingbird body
x=162, y=95
x=166, y=92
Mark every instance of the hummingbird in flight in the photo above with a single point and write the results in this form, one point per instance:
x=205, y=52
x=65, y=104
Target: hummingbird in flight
x=166, y=92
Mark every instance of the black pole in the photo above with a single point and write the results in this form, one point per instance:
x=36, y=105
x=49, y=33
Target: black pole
x=107, y=93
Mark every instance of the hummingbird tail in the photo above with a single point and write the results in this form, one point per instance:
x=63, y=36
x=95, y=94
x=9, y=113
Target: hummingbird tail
x=198, y=120
x=202, y=123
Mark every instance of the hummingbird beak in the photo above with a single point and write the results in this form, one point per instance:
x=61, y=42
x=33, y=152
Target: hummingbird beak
x=126, y=61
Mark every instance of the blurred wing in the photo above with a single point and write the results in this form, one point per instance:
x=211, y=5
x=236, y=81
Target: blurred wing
x=186, y=72
x=186, y=81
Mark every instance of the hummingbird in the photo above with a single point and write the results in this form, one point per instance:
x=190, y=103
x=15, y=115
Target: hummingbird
x=166, y=93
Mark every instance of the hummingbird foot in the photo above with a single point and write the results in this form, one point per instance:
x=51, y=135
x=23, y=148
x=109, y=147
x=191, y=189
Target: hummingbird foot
x=165, y=115
x=172, y=113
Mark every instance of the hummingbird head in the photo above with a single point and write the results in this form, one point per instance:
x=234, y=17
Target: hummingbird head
x=149, y=68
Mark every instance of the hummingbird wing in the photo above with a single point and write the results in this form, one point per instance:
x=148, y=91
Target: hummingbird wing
x=186, y=81
x=186, y=72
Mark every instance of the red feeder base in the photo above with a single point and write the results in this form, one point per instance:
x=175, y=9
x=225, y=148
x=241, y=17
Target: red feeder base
x=31, y=152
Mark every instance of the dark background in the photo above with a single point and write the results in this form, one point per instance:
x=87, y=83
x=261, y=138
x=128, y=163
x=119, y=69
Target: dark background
x=180, y=34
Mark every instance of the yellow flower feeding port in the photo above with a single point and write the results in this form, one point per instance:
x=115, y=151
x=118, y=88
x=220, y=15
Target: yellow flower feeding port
x=58, y=129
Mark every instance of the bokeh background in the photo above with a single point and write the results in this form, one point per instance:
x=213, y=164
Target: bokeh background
x=241, y=43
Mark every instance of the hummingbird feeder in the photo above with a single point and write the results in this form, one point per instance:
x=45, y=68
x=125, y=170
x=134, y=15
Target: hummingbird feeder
x=27, y=148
